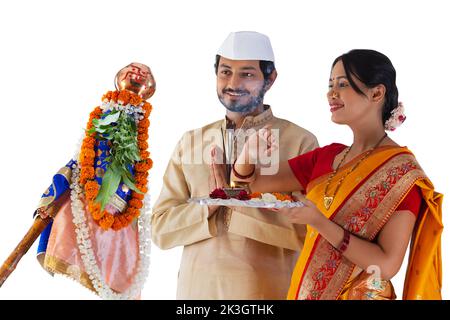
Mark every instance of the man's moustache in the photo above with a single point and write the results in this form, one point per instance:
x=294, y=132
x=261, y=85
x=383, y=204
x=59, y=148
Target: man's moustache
x=235, y=91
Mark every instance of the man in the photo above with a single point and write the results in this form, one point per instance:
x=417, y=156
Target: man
x=230, y=253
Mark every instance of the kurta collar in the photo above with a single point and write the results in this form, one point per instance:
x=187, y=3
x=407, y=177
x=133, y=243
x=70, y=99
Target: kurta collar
x=252, y=121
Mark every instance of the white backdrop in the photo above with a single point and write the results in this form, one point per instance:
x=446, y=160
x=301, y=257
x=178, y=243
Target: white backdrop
x=57, y=58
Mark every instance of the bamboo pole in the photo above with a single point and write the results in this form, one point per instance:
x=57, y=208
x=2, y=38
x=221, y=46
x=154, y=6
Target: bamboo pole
x=30, y=237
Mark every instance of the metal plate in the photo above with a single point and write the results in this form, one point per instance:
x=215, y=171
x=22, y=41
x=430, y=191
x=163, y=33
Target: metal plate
x=254, y=203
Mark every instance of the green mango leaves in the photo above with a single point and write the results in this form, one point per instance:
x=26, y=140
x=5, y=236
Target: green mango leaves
x=121, y=130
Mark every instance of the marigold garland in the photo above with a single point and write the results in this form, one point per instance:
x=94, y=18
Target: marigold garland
x=103, y=218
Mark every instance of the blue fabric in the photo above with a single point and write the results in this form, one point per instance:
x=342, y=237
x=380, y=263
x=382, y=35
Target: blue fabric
x=43, y=240
x=58, y=187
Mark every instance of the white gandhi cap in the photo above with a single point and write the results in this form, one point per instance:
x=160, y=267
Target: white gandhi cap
x=247, y=45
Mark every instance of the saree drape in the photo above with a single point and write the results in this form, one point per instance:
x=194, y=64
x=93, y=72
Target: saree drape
x=366, y=200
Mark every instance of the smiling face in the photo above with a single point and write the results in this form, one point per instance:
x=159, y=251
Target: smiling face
x=346, y=105
x=240, y=85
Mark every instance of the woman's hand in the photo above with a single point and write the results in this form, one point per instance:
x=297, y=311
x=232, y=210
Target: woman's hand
x=261, y=143
x=259, y=146
x=309, y=214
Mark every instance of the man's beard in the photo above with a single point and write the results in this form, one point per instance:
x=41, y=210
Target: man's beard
x=237, y=106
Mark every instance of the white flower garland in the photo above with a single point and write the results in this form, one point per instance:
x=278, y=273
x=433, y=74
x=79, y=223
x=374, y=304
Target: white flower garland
x=135, y=111
x=88, y=255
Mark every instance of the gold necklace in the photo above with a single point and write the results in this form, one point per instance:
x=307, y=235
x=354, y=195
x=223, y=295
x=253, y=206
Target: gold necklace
x=328, y=200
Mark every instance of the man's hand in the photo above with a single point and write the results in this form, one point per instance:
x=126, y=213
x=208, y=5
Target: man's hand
x=217, y=174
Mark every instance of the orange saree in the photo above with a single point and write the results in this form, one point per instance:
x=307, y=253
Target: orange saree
x=366, y=200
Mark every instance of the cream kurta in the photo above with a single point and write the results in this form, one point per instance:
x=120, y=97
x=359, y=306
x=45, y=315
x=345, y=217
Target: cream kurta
x=245, y=253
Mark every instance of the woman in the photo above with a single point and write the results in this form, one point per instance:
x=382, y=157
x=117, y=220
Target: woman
x=365, y=201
